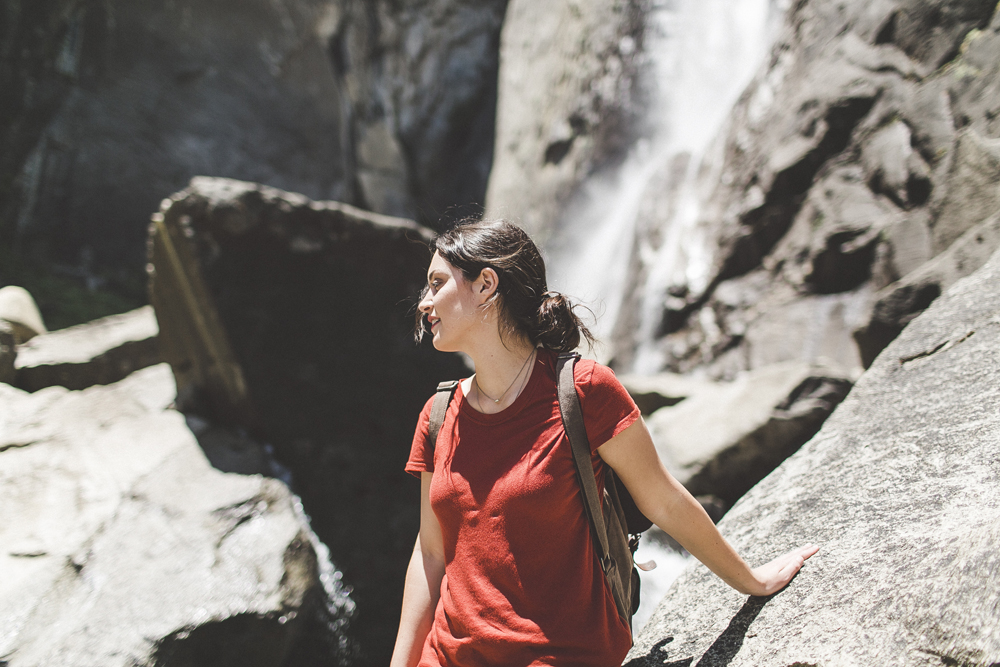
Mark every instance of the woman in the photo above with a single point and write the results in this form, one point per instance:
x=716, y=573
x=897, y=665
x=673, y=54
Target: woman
x=503, y=571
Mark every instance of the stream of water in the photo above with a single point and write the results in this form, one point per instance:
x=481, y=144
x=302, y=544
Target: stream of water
x=701, y=55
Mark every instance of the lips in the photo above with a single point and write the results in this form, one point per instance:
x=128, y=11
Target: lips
x=433, y=321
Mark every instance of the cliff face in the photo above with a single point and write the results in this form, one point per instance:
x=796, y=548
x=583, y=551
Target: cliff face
x=866, y=147
x=112, y=105
x=899, y=490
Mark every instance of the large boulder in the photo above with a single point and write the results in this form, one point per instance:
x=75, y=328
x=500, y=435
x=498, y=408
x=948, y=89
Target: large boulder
x=99, y=352
x=123, y=546
x=728, y=436
x=108, y=106
x=899, y=489
x=294, y=318
x=866, y=146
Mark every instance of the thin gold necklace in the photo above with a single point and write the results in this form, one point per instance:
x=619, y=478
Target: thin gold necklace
x=479, y=389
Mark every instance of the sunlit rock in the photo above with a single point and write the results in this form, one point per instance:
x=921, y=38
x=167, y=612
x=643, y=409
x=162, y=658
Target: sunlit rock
x=122, y=545
x=899, y=490
x=99, y=352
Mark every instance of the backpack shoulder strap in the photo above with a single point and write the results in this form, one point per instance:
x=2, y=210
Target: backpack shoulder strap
x=439, y=408
x=572, y=417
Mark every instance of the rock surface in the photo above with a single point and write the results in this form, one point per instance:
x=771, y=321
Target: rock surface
x=570, y=98
x=112, y=105
x=123, y=546
x=99, y=352
x=19, y=310
x=900, y=491
x=316, y=302
x=652, y=392
x=906, y=298
x=864, y=148
x=728, y=436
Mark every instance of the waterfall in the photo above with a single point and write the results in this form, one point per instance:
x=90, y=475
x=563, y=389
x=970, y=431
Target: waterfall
x=701, y=55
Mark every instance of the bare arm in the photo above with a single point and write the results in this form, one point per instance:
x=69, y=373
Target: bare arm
x=669, y=505
x=423, y=584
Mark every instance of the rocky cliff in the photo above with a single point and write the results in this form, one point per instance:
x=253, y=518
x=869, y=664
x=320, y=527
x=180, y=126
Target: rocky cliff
x=110, y=106
x=899, y=489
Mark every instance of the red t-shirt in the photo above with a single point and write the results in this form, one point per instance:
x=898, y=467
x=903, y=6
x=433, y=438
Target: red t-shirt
x=522, y=583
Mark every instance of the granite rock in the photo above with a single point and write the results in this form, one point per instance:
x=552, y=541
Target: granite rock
x=18, y=309
x=728, y=436
x=570, y=104
x=865, y=147
x=100, y=352
x=899, y=489
x=122, y=545
x=896, y=305
x=293, y=318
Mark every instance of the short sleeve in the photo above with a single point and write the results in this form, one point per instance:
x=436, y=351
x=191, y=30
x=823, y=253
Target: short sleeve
x=421, y=456
x=607, y=407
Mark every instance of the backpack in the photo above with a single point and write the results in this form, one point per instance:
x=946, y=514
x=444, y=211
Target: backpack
x=616, y=529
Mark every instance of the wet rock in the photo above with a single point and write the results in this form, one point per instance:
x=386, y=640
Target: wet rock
x=862, y=149
x=570, y=95
x=896, y=305
x=293, y=318
x=123, y=546
x=99, y=352
x=899, y=491
x=728, y=436
x=19, y=310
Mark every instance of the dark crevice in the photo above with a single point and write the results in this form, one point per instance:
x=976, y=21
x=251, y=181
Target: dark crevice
x=843, y=264
x=762, y=227
x=887, y=33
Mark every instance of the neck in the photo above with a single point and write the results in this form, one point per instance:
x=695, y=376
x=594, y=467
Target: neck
x=501, y=372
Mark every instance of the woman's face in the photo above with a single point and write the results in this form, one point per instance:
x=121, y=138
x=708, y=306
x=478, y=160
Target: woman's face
x=452, y=306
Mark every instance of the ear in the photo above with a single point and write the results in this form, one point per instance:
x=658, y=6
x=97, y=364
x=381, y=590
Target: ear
x=486, y=284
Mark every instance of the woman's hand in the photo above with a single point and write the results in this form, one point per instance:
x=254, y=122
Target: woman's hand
x=774, y=576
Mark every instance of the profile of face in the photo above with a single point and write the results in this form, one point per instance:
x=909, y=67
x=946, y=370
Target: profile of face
x=454, y=307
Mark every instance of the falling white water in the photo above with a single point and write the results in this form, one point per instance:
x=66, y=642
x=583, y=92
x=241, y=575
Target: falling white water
x=703, y=53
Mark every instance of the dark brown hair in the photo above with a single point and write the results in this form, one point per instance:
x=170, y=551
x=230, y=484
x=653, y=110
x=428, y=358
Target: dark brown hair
x=525, y=304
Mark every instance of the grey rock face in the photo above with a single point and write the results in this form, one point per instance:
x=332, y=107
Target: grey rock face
x=900, y=491
x=113, y=105
x=896, y=305
x=99, y=352
x=728, y=436
x=569, y=104
x=123, y=546
x=866, y=147
x=421, y=77
x=315, y=301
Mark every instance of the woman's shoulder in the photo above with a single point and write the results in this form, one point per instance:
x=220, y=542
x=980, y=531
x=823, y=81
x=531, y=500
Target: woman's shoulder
x=590, y=373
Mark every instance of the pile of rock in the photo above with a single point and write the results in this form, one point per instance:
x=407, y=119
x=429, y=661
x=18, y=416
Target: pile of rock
x=125, y=539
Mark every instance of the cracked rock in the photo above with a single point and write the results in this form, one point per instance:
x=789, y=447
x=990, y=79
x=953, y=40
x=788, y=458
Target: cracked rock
x=899, y=490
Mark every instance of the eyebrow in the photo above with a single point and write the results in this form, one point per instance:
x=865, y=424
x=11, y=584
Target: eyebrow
x=431, y=274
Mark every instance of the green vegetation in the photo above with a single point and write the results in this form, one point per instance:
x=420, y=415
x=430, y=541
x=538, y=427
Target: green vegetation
x=66, y=300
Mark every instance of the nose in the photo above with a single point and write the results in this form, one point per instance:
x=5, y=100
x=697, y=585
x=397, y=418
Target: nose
x=426, y=304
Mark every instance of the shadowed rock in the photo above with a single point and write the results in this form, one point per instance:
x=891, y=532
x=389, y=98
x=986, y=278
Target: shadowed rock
x=899, y=489
x=728, y=436
x=896, y=305
x=99, y=352
x=294, y=318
